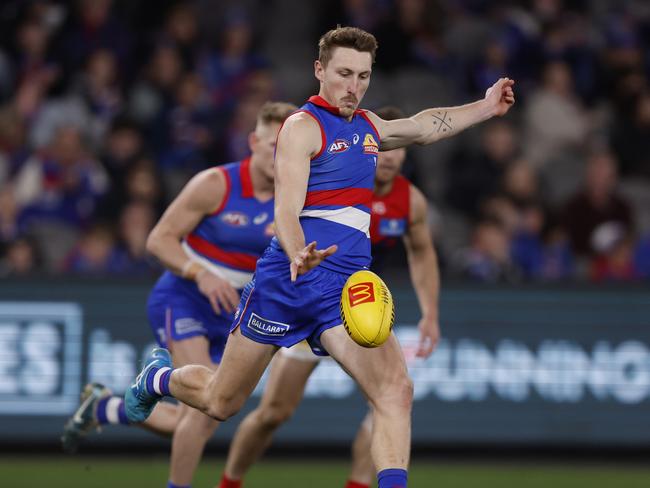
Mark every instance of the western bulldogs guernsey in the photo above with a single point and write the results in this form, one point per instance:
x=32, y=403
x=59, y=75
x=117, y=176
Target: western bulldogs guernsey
x=273, y=310
x=227, y=243
x=339, y=190
x=389, y=220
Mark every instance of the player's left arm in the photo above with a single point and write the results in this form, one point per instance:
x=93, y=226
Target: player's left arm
x=423, y=267
x=434, y=124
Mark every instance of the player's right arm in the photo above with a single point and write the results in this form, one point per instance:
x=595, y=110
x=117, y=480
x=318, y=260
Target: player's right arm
x=298, y=141
x=200, y=197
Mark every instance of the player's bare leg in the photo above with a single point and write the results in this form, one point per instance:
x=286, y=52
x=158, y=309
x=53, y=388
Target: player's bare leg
x=283, y=393
x=221, y=394
x=194, y=428
x=362, y=470
x=382, y=375
x=163, y=419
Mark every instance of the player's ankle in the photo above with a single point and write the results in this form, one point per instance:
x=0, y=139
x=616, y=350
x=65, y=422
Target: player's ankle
x=110, y=410
x=392, y=478
x=229, y=483
x=158, y=381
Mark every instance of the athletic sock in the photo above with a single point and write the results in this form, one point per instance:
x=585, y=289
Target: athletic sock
x=158, y=381
x=110, y=410
x=228, y=483
x=392, y=478
x=172, y=485
x=356, y=484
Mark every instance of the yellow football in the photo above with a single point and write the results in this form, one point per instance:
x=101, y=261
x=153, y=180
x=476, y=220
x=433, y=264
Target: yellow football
x=367, y=309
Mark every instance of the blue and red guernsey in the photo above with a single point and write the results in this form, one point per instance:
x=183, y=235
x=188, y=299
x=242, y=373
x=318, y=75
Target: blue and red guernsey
x=230, y=240
x=390, y=214
x=339, y=189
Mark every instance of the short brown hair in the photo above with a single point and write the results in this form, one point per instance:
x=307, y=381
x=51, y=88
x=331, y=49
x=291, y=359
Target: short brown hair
x=389, y=112
x=275, y=112
x=351, y=37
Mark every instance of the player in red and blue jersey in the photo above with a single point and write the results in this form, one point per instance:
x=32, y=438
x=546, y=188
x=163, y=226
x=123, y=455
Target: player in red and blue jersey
x=399, y=212
x=209, y=239
x=323, y=193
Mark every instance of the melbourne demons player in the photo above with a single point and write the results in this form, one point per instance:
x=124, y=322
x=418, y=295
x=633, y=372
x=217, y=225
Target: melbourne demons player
x=399, y=211
x=320, y=198
x=209, y=240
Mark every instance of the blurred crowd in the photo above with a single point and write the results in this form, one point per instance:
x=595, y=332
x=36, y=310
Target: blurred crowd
x=108, y=107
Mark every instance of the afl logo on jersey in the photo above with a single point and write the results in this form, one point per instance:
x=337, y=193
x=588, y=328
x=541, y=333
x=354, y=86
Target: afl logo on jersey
x=370, y=146
x=339, y=146
x=236, y=219
x=379, y=208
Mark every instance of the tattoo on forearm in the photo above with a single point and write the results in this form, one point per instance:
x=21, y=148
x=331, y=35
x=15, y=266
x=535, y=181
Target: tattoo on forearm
x=442, y=122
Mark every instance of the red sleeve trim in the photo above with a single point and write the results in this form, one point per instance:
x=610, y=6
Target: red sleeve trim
x=226, y=196
x=322, y=133
x=364, y=114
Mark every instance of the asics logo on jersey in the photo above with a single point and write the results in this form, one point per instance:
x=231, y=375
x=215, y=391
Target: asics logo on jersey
x=370, y=146
x=361, y=293
x=261, y=218
x=339, y=146
x=355, y=139
x=236, y=219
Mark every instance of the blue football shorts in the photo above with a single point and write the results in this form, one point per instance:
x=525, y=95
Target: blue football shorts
x=273, y=310
x=178, y=309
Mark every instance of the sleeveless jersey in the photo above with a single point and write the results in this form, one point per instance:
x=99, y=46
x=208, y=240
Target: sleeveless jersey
x=229, y=241
x=339, y=189
x=390, y=218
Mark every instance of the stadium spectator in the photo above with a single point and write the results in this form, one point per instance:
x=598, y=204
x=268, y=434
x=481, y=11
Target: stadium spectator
x=95, y=27
x=225, y=70
x=556, y=123
x=95, y=253
x=152, y=95
x=475, y=175
x=130, y=257
x=630, y=136
x=597, y=207
x=20, y=258
x=99, y=92
x=487, y=259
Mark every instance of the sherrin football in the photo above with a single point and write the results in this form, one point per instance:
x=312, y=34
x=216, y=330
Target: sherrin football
x=367, y=309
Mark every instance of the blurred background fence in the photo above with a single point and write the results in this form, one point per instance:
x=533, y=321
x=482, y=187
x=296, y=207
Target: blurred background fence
x=533, y=367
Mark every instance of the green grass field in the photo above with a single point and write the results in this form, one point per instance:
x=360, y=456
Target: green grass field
x=55, y=472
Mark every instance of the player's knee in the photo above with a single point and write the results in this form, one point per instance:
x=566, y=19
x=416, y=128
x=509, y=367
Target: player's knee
x=274, y=416
x=221, y=408
x=398, y=395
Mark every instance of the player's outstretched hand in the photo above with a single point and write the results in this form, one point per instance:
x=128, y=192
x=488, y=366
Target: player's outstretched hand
x=309, y=258
x=429, y=337
x=501, y=96
x=221, y=294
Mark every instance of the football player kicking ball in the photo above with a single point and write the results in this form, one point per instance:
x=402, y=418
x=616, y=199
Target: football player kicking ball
x=322, y=197
x=209, y=240
x=399, y=210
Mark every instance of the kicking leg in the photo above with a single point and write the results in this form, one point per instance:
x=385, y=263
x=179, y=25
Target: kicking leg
x=283, y=392
x=218, y=394
x=382, y=375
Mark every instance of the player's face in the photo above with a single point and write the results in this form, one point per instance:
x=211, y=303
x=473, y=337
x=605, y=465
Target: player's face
x=345, y=79
x=389, y=164
x=262, y=144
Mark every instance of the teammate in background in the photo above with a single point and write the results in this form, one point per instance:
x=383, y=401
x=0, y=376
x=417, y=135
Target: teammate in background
x=323, y=194
x=399, y=210
x=209, y=240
